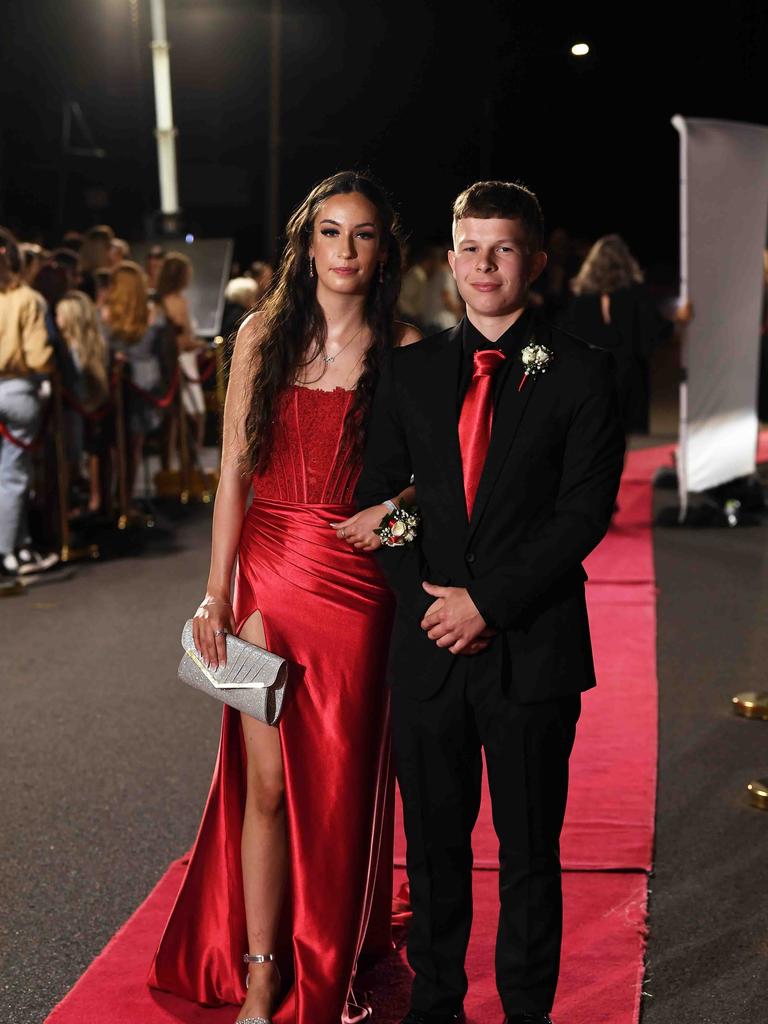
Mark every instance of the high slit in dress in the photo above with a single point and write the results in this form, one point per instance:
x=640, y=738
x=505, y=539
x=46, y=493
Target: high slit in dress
x=326, y=609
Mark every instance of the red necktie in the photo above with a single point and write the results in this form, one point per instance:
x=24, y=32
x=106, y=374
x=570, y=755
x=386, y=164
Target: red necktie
x=476, y=419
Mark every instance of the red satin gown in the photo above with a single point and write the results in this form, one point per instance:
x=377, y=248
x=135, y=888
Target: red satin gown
x=327, y=610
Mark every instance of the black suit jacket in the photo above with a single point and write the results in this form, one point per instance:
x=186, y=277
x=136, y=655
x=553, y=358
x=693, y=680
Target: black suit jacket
x=544, y=501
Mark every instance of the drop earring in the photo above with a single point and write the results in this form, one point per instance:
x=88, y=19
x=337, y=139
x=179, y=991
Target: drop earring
x=311, y=266
x=381, y=273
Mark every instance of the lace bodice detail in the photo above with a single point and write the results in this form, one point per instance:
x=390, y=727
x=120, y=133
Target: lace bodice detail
x=309, y=463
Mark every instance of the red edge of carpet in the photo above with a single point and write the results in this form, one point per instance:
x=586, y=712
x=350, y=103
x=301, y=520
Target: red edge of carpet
x=605, y=908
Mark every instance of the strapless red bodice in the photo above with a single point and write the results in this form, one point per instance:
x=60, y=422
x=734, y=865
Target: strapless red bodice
x=310, y=463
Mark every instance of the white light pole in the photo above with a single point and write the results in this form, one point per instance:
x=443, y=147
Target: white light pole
x=165, y=133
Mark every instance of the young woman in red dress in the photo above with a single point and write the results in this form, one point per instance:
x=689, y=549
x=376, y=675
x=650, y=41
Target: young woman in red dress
x=292, y=863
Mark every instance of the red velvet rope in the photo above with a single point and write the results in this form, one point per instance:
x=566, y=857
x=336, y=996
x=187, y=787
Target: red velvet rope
x=167, y=398
x=94, y=415
x=36, y=442
x=204, y=376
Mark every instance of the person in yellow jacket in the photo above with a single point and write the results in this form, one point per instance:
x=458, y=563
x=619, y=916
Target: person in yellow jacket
x=25, y=353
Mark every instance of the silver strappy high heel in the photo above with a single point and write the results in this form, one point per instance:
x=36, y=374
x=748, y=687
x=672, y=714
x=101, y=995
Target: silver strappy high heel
x=258, y=958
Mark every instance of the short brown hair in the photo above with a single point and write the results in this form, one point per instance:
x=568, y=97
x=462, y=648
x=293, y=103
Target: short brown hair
x=506, y=199
x=175, y=274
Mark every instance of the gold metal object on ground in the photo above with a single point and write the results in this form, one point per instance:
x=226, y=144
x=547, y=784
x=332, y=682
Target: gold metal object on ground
x=202, y=485
x=14, y=588
x=758, y=793
x=70, y=554
x=751, y=704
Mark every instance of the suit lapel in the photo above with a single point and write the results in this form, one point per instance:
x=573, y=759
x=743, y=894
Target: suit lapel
x=507, y=417
x=441, y=388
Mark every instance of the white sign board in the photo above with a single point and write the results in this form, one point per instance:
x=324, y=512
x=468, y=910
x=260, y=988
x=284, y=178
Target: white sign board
x=723, y=213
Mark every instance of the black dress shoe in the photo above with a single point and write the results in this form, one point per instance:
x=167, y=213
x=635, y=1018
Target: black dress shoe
x=528, y=1018
x=418, y=1017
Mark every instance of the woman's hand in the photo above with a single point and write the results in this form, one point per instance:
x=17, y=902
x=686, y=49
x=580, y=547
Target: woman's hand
x=358, y=529
x=213, y=620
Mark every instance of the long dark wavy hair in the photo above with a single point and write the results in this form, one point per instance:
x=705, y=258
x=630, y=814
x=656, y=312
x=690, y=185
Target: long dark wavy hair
x=294, y=330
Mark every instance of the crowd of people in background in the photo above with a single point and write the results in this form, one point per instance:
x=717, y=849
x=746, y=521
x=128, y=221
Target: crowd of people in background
x=86, y=318
x=86, y=310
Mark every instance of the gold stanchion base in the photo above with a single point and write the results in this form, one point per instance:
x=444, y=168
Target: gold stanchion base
x=758, y=793
x=135, y=518
x=200, y=485
x=751, y=704
x=69, y=554
x=14, y=588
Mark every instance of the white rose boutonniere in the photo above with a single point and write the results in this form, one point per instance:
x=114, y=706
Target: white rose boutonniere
x=536, y=360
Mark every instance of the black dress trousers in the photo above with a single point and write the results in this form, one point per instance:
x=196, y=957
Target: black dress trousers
x=437, y=744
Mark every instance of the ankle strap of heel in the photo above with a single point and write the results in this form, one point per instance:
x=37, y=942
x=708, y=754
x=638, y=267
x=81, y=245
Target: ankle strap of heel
x=258, y=958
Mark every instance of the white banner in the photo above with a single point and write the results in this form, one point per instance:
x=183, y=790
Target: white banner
x=723, y=215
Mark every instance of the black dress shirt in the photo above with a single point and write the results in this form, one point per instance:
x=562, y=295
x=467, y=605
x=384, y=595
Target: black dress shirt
x=511, y=343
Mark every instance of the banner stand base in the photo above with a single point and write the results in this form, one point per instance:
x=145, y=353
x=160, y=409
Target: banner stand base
x=709, y=514
x=738, y=502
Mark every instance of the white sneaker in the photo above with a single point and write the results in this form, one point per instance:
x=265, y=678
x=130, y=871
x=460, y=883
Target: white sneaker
x=29, y=561
x=9, y=566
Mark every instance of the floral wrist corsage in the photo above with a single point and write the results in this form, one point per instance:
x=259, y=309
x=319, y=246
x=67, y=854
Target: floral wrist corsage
x=398, y=528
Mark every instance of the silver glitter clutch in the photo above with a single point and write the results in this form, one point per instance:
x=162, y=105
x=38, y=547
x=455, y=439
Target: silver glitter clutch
x=253, y=680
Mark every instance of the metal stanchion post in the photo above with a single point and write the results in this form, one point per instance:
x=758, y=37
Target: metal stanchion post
x=221, y=387
x=62, y=466
x=122, y=450
x=184, y=466
x=67, y=553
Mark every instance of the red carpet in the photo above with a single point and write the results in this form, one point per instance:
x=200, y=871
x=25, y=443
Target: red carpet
x=602, y=962
x=609, y=826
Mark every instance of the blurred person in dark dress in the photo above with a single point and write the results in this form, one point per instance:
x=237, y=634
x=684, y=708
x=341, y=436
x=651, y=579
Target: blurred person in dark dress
x=612, y=309
x=173, y=281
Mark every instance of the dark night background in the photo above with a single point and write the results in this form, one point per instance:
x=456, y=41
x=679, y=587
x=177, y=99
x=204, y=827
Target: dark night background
x=428, y=97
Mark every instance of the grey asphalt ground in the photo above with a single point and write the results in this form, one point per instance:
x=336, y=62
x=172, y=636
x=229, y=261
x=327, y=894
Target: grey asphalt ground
x=106, y=758
x=708, y=947
x=106, y=761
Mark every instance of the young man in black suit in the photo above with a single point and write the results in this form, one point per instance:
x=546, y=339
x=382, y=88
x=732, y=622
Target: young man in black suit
x=510, y=429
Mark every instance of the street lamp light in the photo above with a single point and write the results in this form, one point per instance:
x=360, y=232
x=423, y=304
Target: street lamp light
x=580, y=49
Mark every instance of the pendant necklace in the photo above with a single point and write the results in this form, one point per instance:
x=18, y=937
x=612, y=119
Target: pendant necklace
x=329, y=359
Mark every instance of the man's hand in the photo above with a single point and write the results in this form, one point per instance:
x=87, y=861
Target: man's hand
x=453, y=621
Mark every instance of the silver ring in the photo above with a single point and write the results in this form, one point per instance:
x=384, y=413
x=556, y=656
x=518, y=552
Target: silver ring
x=343, y=531
x=219, y=632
